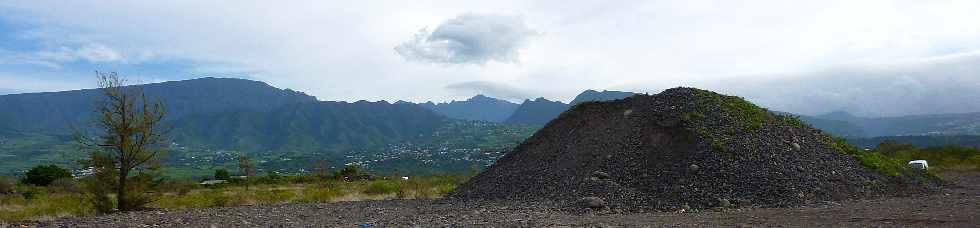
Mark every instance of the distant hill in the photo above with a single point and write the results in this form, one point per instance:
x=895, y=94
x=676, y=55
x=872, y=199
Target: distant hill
x=838, y=128
x=478, y=107
x=844, y=124
x=920, y=141
x=605, y=95
x=309, y=127
x=937, y=124
x=52, y=112
x=537, y=112
x=540, y=111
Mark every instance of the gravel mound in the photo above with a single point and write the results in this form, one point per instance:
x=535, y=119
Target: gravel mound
x=684, y=148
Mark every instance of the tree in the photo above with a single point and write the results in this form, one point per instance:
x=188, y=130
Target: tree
x=221, y=174
x=43, y=175
x=350, y=173
x=129, y=138
x=246, y=168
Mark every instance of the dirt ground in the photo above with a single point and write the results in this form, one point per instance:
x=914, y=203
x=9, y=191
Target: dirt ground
x=955, y=206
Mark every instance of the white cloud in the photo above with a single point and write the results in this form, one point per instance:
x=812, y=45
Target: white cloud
x=93, y=52
x=98, y=53
x=470, y=38
x=55, y=58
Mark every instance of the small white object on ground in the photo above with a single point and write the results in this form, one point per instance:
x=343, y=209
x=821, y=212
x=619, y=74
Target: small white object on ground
x=919, y=164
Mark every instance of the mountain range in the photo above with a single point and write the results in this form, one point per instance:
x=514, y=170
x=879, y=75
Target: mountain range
x=537, y=112
x=214, y=119
x=211, y=120
x=479, y=107
x=605, y=95
x=531, y=112
x=935, y=124
x=54, y=112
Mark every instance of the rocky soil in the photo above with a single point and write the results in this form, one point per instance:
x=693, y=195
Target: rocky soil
x=955, y=206
x=681, y=149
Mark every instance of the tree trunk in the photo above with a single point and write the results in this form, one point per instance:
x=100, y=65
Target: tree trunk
x=121, y=191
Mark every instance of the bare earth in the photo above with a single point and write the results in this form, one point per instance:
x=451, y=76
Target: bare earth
x=955, y=206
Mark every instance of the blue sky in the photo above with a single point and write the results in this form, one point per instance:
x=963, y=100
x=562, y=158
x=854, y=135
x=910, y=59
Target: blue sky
x=445, y=50
x=33, y=63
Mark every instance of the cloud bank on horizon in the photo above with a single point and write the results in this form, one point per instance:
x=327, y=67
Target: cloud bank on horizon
x=867, y=57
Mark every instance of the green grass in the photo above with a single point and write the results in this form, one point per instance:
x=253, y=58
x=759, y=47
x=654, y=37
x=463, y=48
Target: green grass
x=746, y=115
x=870, y=159
x=795, y=121
x=43, y=205
x=939, y=158
x=325, y=191
x=50, y=203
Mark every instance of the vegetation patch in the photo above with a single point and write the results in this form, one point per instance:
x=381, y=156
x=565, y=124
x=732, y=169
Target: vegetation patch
x=869, y=159
x=746, y=115
x=949, y=157
x=28, y=202
x=743, y=116
x=794, y=120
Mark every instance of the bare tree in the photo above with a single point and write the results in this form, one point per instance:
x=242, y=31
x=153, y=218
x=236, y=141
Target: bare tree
x=129, y=130
x=323, y=169
x=246, y=167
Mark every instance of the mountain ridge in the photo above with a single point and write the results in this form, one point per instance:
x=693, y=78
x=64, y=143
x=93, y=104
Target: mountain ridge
x=53, y=112
x=478, y=107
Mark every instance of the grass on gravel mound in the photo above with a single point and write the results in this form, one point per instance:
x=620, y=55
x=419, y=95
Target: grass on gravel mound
x=870, y=159
x=748, y=117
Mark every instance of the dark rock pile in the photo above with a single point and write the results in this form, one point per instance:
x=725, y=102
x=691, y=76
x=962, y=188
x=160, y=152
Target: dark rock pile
x=681, y=149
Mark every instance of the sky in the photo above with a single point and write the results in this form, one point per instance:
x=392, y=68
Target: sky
x=871, y=58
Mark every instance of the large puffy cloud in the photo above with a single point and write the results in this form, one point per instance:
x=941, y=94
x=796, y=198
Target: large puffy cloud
x=470, y=38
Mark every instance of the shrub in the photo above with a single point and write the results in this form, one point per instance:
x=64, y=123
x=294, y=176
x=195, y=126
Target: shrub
x=43, y=175
x=138, y=191
x=99, y=185
x=180, y=187
x=8, y=185
x=270, y=177
x=352, y=173
x=382, y=187
x=320, y=194
x=68, y=185
x=221, y=174
x=274, y=195
x=30, y=193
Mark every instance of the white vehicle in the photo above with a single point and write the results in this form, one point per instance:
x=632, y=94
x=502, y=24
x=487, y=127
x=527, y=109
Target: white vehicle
x=919, y=164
